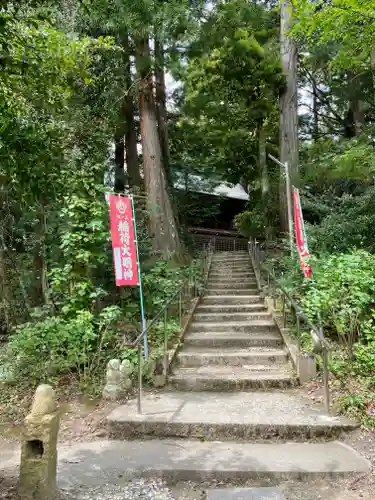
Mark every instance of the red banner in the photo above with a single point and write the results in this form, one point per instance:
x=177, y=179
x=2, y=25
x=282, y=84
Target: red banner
x=123, y=241
x=301, y=241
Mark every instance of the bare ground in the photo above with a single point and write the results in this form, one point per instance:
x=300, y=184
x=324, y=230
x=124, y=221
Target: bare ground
x=83, y=419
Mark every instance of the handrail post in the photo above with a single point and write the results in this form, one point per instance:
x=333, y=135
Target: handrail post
x=298, y=331
x=325, y=372
x=139, y=402
x=180, y=307
x=165, y=342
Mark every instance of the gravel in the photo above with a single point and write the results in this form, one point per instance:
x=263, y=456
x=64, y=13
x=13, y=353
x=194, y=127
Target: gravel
x=140, y=489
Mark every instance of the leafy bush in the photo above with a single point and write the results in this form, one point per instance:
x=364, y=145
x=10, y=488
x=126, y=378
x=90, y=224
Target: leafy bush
x=56, y=346
x=349, y=224
x=251, y=223
x=340, y=292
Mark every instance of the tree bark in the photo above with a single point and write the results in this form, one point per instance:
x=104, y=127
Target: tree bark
x=355, y=109
x=315, y=131
x=288, y=110
x=119, y=159
x=5, y=297
x=373, y=65
x=161, y=103
x=130, y=132
x=40, y=256
x=162, y=221
x=264, y=177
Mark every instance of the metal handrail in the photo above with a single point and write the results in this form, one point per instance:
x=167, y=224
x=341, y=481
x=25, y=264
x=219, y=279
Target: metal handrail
x=205, y=258
x=321, y=345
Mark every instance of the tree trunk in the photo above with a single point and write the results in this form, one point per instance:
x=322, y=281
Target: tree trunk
x=161, y=104
x=119, y=159
x=355, y=109
x=162, y=221
x=373, y=65
x=288, y=110
x=5, y=297
x=315, y=130
x=40, y=257
x=265, y=178
x=130, y=131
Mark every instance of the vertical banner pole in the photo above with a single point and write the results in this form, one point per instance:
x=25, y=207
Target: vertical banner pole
x=289, y=205
x=141, y=303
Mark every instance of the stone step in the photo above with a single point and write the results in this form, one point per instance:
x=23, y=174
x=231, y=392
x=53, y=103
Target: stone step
x=263, y=493
x=252, y=298
x=232, y=379
x=213, y=317
x=227, y=417
x=244, y=265
x=95, y=464
x=226, y=276
x=236, y=339
x=237, y=283
x=236, y=308
x=264, y=356
x=235, y=326
x=231, y=291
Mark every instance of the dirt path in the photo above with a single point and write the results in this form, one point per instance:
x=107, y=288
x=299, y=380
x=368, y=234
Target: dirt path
x=84, y=420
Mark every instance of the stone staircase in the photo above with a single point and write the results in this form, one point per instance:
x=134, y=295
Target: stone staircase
x=233, y=343
x=233, y=408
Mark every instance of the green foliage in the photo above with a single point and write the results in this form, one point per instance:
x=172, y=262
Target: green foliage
x=348, y=25
x=231, y=83
x=251, y=223
x=348, y=224
x=55, y=346
x=339, y=294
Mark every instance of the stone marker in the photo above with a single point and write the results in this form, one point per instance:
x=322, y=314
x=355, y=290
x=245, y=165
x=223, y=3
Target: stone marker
x=118, y=379
x=306, y=367
x=159, y=378
x=39, y=448
x=246, y=494
x=113, y=388
x=126, y=370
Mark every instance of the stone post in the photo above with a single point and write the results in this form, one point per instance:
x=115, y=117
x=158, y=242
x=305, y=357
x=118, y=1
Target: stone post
x=306, y=367
x=118, y=379
x=39, y=448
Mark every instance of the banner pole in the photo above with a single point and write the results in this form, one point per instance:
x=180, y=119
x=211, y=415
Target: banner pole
x=141, y=303
x=289, y=205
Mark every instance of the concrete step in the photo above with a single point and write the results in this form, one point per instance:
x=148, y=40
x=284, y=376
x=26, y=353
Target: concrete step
x=213, y=317
x=236, y=308
x=226, y=276
x=252, y=298
x=262, y=493
x=231, y=291
x=234, y=339
x=257, y=326
x=244, y=265
x=226, y=417
x=232, y=379
x=237, y=284
x=265, y=356
x=93, y=465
